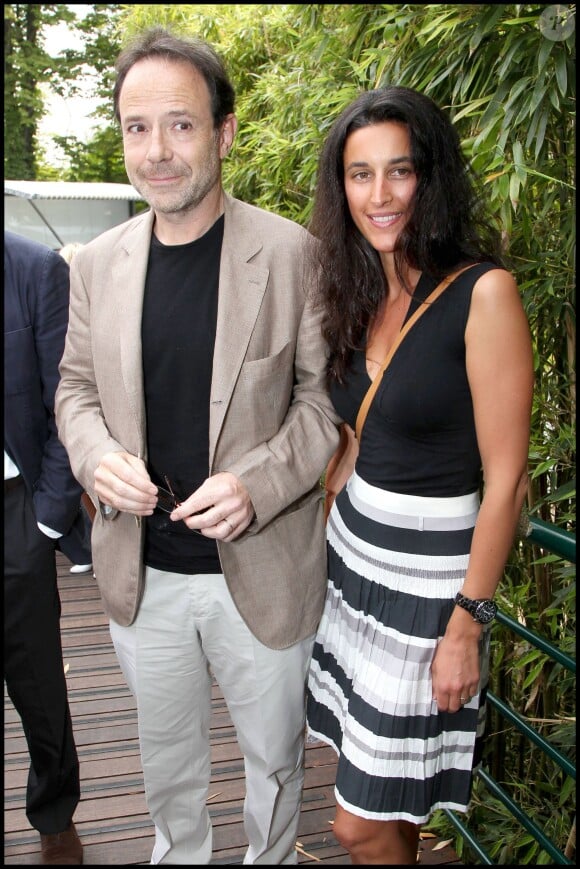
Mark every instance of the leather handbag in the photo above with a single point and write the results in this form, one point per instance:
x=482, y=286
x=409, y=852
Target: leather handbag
x=342, y=462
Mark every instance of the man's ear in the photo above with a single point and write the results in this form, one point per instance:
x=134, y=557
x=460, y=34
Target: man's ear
x=227, y=133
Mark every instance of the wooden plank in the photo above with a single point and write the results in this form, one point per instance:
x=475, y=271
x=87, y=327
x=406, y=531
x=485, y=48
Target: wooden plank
x=112, y=817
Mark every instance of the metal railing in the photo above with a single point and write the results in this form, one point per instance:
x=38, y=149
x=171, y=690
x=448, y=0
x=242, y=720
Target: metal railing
x=561, y=543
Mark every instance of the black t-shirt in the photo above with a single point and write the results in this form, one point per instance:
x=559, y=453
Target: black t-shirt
x=178, y=336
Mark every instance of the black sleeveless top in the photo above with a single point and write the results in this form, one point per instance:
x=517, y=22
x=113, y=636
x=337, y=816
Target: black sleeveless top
x=419, y=435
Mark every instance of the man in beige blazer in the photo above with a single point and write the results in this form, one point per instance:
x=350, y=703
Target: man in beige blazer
x=193, y=406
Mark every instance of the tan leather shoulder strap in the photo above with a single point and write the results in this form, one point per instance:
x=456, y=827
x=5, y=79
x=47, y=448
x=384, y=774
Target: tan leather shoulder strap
x=366, y=402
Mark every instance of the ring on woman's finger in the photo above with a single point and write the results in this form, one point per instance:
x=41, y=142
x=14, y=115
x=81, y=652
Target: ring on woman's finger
x=465, y=699
x=229, y=524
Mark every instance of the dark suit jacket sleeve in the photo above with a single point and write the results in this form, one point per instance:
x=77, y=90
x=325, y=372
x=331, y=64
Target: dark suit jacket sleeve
x=36, y=295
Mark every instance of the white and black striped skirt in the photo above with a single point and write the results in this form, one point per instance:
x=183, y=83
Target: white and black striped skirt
x=396, y=563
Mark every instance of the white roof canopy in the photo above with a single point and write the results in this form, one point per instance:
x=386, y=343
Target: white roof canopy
x=60, y=212
x=70, y=190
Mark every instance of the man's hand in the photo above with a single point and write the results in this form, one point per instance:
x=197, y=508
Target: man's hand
x=221, y=508
x=122, y=482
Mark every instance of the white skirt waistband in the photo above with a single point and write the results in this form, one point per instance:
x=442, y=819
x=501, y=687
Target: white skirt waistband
x=412, y=511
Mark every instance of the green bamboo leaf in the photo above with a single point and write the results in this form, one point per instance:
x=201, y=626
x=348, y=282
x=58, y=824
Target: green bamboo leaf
x=509, y=60
x=561, y=72
x=488, y=19
x=471, y=109
x=568, y=789
x=521, y=85
x=567, y=490
x=439, y=30
x=542, y=467
x=514, y=190
x=529, y=657
x=556, y=181
x=541, y=132
x=538, y=95
x=547, y=559
x=495, y=107
x=534, y=674
x=544, y=53
x=519, y=161
x=503, y=186
x=532, y=129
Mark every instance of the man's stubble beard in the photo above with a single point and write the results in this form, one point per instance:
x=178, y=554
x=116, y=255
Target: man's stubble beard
x=183, y=200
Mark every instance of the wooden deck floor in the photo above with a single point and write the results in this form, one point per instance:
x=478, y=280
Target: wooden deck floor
x=112, y=818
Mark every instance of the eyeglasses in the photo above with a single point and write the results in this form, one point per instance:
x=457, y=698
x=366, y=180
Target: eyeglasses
x=167, y=500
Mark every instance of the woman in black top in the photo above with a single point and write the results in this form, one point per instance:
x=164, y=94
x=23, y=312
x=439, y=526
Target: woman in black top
x=399, y=672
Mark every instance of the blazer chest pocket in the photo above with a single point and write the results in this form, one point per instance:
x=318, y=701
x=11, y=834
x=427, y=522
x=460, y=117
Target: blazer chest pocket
x=264, y=382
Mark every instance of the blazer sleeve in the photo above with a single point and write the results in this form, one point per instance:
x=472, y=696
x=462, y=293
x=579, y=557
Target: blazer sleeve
x=57, y=494
x=43, y=460
x=288, y=466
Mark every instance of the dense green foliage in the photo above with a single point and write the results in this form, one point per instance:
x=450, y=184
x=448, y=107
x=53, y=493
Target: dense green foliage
x=508, y=79
x=30, y=71
x=26, y=67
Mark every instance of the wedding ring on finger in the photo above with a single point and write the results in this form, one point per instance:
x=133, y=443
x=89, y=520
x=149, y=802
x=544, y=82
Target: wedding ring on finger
x=229, y=524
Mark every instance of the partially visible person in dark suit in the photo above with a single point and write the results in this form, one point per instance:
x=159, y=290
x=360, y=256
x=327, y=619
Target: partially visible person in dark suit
x=41, y=512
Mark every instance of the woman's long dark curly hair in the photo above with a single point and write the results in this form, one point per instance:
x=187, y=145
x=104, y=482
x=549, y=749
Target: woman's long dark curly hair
x=448, y=225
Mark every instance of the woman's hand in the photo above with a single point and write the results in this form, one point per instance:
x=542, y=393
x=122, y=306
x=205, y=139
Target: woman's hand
x=455, y=670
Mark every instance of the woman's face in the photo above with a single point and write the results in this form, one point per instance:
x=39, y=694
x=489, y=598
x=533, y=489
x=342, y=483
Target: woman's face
x=379, y=181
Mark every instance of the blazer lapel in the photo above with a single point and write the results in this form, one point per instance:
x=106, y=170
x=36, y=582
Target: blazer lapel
x=130, y=268
x=241, y=288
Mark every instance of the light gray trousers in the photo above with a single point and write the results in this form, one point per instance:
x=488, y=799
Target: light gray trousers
x=185, y=626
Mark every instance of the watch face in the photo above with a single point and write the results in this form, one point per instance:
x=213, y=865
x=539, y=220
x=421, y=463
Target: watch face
x=486, y=611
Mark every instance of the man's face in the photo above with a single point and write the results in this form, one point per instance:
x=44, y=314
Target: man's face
x=173, y=153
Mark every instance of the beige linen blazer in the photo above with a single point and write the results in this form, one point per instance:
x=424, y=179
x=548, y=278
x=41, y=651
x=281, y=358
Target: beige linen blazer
x=271, y=420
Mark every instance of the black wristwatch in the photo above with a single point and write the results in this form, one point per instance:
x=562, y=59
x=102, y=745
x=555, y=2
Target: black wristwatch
x=482, y=611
